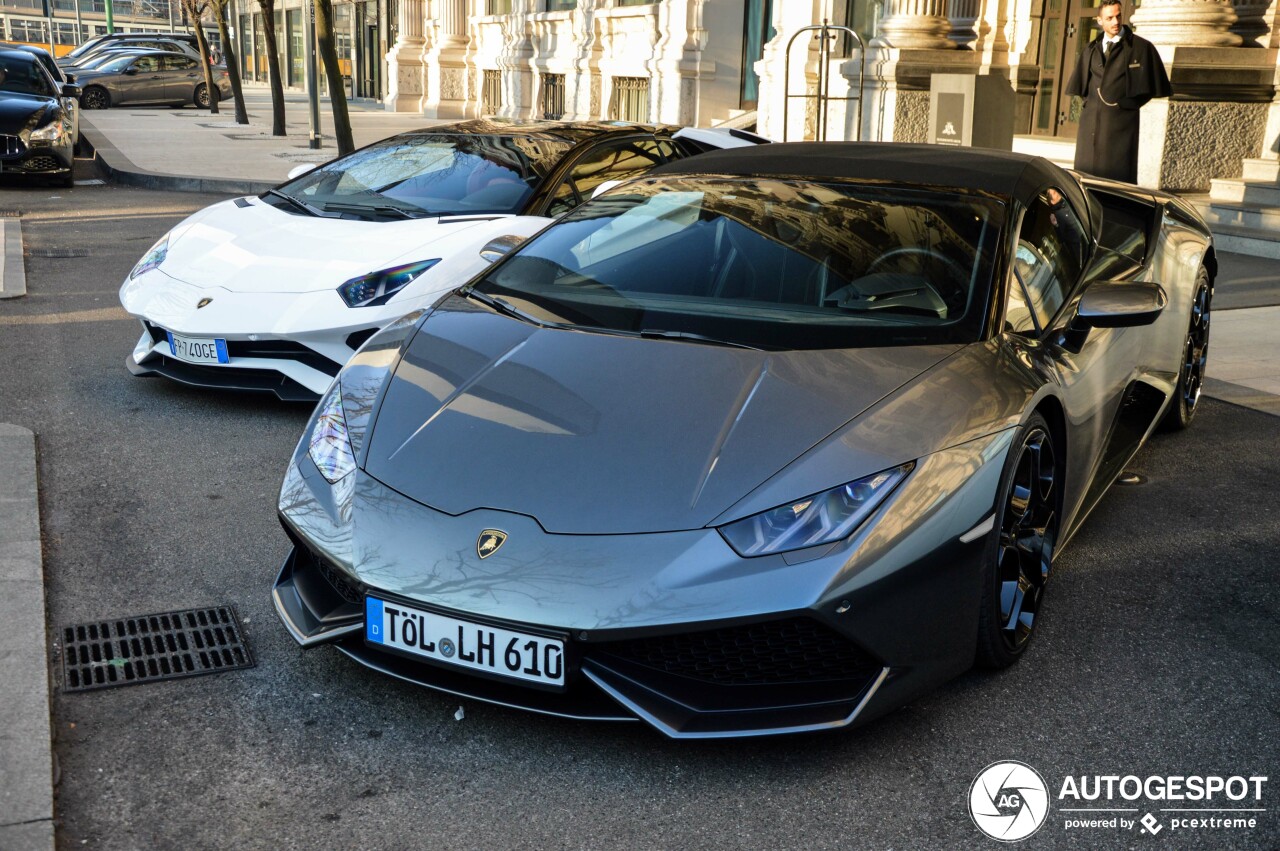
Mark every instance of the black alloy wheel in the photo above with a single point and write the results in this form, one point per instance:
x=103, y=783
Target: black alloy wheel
x=95, y=97
x=1195, y=357
x=202, y=96
x=1021, y=548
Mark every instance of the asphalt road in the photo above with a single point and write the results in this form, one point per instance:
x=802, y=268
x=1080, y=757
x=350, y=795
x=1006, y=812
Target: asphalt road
x=1157, y=654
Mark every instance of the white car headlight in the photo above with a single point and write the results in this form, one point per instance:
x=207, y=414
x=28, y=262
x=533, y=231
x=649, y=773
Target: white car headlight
x=329, y=445
x=51, y=132
x=153, y=258
x=820, y=519
x=377, y=288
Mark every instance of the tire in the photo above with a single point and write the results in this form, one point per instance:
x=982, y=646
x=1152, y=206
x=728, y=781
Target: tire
x=95, y=97
x=1195, y=357
x=1020, y=549
x=201, y=96
x=65, y=181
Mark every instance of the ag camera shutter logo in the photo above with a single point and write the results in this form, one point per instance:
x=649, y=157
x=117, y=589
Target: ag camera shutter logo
x=1009, y=801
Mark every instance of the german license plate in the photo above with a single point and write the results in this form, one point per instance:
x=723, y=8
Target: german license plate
x=518, y=655
x=198, y=349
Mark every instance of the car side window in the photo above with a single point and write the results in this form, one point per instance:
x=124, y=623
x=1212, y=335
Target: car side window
x=1047, y=261
x=146, y=64
x=617, y=160
x=177, y=63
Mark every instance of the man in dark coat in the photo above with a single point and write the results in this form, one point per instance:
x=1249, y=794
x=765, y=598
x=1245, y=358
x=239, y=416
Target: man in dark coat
x=1116, y=75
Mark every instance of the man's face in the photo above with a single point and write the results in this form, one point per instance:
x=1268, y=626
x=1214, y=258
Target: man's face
x=1109, y=20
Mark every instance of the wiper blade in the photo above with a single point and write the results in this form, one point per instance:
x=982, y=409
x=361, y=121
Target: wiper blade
x=697, y=338
x=296, y=203
x=504, y=306
x=377, y=209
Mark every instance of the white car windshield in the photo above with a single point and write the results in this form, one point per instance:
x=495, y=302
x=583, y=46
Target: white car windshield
x=763, y=262
x=431, y=174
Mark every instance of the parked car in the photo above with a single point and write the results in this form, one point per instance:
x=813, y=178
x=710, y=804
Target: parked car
x=765, y=441
x=59, y=78
x=37, y=132
x=149, y=77
x=135, y=44
x=275, y=292
x=75, y=56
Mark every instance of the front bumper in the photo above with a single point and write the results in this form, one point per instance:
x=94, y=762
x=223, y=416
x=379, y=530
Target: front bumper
x=45, y=159
x=673, y=629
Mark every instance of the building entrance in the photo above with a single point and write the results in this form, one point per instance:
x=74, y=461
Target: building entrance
x=1066, y=29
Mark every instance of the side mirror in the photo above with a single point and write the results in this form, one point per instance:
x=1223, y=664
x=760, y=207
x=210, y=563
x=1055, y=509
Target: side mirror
x=497, y=248
x=1114, y=304
x=299, y=170
x=70, y=78
x=70, y=91
x=131, y=71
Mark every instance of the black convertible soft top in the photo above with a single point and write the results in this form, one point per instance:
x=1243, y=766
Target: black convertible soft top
x=1012, y=175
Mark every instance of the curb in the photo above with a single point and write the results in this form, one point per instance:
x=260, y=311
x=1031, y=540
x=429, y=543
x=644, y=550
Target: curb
x=26, y=750
x=122, y=170
x=13, y=271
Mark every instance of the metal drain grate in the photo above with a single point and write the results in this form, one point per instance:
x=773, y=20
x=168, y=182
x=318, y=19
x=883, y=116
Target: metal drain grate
x=144, y=649
x=59, y=253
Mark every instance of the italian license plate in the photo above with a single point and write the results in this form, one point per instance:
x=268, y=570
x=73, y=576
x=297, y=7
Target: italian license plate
x=518, y=655
x=198, y=349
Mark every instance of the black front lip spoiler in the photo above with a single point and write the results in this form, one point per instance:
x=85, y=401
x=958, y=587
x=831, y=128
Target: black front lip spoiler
x=251, y=380
x=601, y=693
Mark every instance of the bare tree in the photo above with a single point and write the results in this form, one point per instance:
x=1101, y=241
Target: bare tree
x=195, y=10
x=337, y=89
x=273, y=71
x=229, y=56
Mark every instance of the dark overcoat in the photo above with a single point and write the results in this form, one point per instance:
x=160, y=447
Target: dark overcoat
x=1113, y=91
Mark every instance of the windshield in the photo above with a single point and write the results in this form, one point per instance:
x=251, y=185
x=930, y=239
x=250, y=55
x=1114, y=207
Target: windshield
x=763, y=262
x=110, y=61
x=432, y=174
x=86, y=47
x=21, y=75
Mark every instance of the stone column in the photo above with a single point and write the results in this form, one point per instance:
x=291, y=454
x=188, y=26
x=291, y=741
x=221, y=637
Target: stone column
x=445, y=58
x=915, y=24
x=1187, y=23
x=966, y=21
x=406, y=73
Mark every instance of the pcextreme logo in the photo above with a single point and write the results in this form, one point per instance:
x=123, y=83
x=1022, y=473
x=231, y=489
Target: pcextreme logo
x=1010, y=801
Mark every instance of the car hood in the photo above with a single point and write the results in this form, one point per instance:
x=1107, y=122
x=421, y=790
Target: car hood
x=21, y=112
x=260, y=249
x=599, y=434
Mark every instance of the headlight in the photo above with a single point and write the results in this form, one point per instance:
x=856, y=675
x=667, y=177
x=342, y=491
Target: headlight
x=329, y=446
x=153, y=258
x=378, y=287
x=820, y=519
x=51, y=132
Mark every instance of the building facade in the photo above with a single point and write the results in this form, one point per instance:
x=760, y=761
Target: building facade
x=707, y=61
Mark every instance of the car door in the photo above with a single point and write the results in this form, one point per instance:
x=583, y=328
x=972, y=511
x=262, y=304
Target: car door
x=182, y=74
x=1097, y=381
x=141, y=82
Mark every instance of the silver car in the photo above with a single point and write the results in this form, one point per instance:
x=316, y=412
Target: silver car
x=767, y=440
x=150, y=77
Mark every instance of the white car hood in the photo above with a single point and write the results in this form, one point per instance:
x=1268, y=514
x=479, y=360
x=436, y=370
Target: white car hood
x=261, y=249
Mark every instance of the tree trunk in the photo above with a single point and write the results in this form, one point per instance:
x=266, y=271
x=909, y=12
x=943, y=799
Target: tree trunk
x=337, y=90
x=231, y=57
x=273, y=71
x=202, y=44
